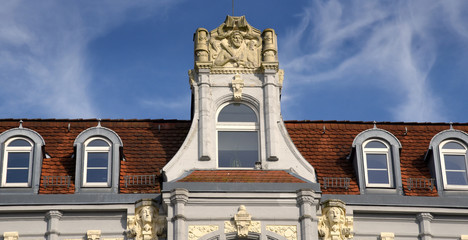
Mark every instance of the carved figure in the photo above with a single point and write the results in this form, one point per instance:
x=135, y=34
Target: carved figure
x=237, y=86
x=334, y=225
x=243, y=221
x=146, y=225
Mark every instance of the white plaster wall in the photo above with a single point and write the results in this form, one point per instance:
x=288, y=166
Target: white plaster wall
x=76, y=224
x=28, y=225
x=370, y=225
x=449, y=226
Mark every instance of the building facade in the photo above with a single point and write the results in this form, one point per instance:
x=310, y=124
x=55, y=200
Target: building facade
x=236, y=170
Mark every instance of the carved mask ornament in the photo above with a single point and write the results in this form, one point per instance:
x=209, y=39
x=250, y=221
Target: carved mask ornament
x=334, y=225
x=146, y=224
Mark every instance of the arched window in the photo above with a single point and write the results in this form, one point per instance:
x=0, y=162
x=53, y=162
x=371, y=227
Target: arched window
x=377, y=163
x=97, y=163
x=453, y=155
x=17, y=163
x=237, y=135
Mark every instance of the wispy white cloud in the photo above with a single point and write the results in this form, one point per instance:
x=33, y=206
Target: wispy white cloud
x=391, y=42
x=43, y=53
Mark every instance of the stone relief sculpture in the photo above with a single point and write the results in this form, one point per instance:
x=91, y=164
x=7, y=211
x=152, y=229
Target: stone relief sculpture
x=197, y=231
x=287, y=231
x=334, y=225
x=237, y=86
x=146, y=224
x=242, y=224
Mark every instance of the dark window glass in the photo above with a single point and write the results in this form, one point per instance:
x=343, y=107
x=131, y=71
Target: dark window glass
x=455, y=162
x=375, y=144
x=96, y=175
x=237, y=112
x=456, y=178
x=377, y=161
x=97, y=159
x=98, y=143
x=453, y=145
x=378, y=176
x=17, y=175
x=237, y=149
x=18, y=160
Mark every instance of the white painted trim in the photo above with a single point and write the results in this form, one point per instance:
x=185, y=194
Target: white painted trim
x=389, y=169
x=458, y=152
x=9, y=149
x=100, y=149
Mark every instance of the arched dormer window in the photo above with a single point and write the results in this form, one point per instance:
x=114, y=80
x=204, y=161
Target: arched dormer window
x=377, y=161
x=21, y=160
x=448, y=161
x=237, y=136
x=97, y=160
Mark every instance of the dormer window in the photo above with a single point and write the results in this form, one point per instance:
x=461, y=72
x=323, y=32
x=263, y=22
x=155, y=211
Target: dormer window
x=454, y=164
x=97, y=163
x=376, y=163
x=17, y=163
x=237, y=135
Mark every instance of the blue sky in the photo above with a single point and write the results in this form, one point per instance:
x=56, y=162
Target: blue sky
x=343, y=60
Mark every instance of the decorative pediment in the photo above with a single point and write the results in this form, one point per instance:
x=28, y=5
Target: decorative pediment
x=334, y=224
x=235, y=47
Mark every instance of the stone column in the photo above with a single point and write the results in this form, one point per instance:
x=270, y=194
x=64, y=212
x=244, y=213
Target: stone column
x=424, y=220
x=179, y=197
x=308, y=211
x=53, y=218
x=271, y=109
x=205, y=117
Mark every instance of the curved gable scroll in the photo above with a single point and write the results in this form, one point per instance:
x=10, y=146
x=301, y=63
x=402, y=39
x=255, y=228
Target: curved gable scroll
x=110, y=183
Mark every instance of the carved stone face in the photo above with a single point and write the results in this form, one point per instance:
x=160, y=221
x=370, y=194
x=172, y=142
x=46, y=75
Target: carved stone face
x=236, y=40
x=334, y=215
x=146, y=214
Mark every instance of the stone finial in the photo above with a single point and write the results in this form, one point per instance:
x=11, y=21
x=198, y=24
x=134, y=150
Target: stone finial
x=237, y=86
x=270, y=49
x=333, y=224
x=201, y=45
x=146, y=224
x=10, y=235
x=93, y=234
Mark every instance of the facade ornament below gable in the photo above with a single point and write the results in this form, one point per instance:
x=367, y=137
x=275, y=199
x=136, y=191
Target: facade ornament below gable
x=242, y=224
x=10, y=236
x=237, y=86
x=93, y=234
x=197, y=231
x=387, y=236
x=146, y=224
x=333, y=224
x=287, y=231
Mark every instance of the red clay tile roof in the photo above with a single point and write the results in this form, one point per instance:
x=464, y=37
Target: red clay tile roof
x=241, y=176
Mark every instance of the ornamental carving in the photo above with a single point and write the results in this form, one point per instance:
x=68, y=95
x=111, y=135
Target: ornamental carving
x=242, y=224
x=10, y=235
x=237, y=86
x=287, y=231
x=93, y=234
x=387, y=236
x=333, y=224
x=197, y=231
x=234, y=45
x=146, y=224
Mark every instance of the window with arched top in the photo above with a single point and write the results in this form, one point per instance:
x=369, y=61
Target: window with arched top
x=237, y=136
x=97, y=162
x=453, y=156
x=377, y=163
x=17, y=162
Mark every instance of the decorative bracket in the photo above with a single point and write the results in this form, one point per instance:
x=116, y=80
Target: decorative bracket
x=237, y=86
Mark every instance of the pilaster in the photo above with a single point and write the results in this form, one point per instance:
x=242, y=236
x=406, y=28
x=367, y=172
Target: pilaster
x=272, y=108
x=308, y=202
x=179, y=198
x=424, y=220
x=53, y=218
x=206, y=120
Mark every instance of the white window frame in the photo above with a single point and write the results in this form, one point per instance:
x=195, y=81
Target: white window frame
x=9, y=149
x=385, y=151
x=90, y=149
x=459, y=152
x=237, y=127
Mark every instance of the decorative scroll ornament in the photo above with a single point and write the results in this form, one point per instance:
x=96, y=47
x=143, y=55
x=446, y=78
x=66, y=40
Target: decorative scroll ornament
x=242, y=224
x=93, y=234
x=237, y=86
x=334, y=225
x=146, y=224
x=197, y=231
x=10, y=235
x=287, y=231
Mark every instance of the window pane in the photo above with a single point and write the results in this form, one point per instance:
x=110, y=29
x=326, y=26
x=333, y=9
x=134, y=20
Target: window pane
x=454, y=162
x=96, y=175
x=377, y=161
x=19, y=143
x=18, y=159
x=97, y=159
x=17, y=176
x=237, y=149
x=377, y=176
x=375, y=144
x=453, y=145
x=456, y=178
x=98, y=143
x=237, y=112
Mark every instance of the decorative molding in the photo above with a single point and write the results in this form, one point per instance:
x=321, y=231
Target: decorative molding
x=10, y=236
x=387, y=236
x=93, y=235
x=424, y=217
x=146, y=224
x=197, y=231
x=237, y=86
x=242, y=223
x=333, y=224
x=53, y=214
x=287, y=231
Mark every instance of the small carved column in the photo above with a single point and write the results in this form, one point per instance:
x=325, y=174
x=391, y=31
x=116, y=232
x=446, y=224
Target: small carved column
x=308, y=219
x=424, y=220
x=201, y=45
x=179, y=197
x=270, y=48
x=53, y=218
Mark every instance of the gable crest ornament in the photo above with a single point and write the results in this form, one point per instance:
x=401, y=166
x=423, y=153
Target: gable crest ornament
x=146, y=224
x=334, y=224
x=234, y=47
